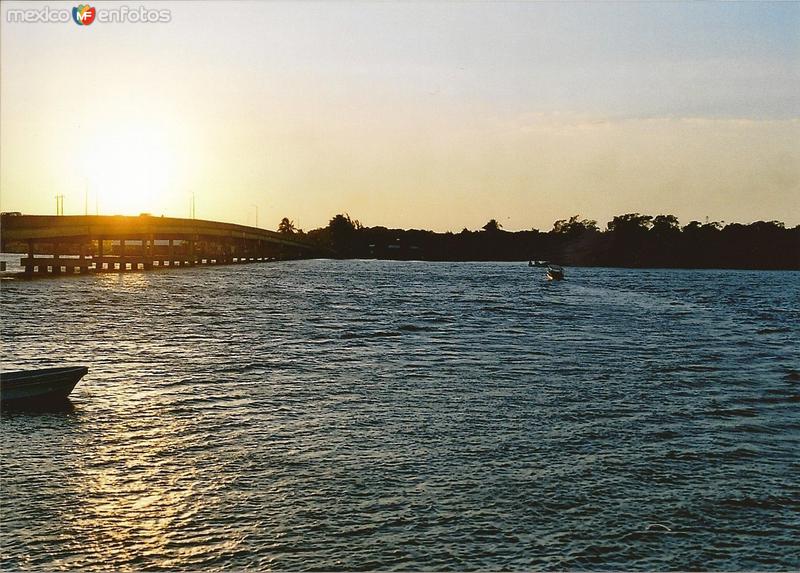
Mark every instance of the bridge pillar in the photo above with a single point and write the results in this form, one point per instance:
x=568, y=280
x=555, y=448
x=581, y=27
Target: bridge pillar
x=98, y=266
x=83, y=266
x=29, y=262
x=56, y=262
x=148, y=252
x=123, y=266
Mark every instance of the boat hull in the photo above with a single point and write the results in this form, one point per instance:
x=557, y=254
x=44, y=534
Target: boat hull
x=50, y=384
x=555, y=273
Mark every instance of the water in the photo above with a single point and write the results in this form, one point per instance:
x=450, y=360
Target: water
x=389, y=415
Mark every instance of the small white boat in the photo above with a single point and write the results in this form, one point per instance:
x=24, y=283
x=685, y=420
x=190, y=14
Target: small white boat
x=555, y=273
x=48, y=384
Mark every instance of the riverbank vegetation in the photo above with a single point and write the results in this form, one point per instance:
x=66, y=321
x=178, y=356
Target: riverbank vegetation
x=630, y=240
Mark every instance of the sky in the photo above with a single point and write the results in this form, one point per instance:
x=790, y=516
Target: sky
x=428, y=115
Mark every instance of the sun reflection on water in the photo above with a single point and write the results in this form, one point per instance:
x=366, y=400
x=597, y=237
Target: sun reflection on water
x=132, y=497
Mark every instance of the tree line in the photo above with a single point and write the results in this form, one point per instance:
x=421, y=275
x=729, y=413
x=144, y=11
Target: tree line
x=629, y=240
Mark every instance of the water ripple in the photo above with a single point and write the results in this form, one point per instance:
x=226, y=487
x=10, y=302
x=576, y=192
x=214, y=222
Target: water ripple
x=345, y=415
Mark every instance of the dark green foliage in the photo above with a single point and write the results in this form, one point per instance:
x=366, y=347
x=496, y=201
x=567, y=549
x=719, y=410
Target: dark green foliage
x=339, y=235
x=574, y=227
x=492, y=226
x=631, y=240
x=286, y=227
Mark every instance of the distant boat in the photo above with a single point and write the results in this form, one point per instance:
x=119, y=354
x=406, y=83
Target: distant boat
x=48, y=384
x=538, y=263
x=555, y=273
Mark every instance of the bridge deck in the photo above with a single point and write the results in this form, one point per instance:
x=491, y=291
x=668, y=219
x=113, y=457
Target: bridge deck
x=79, y=227
x=99, y=242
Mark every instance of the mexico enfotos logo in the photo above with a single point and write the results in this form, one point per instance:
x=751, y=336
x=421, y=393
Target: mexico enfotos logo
x=85, y=15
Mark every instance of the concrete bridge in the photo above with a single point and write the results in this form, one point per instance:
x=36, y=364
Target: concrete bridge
x=96, y=243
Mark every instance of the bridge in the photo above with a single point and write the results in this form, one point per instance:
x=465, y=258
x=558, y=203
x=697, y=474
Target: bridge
x=98, y=243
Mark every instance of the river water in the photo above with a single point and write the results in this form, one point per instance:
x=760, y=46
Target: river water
x=402, y=415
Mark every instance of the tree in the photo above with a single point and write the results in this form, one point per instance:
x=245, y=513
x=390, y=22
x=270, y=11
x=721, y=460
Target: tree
x=342, y=230
x=692, y=227
x=574, y=226
x=630, y=222
x=492, y=226
x=767, y=226
x=665, y=223
x=286, y=226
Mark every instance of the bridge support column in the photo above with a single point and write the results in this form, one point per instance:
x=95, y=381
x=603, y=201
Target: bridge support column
x=100, y=263
x=148, y=253
x=83, y=266
x=56, y=262
x=123, y=265
x=29, y=262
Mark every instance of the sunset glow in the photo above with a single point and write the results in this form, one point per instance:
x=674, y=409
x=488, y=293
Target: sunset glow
x=524, y=112
x=130, y=170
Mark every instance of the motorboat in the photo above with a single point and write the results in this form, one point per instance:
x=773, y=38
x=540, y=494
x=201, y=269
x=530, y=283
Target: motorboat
x=538, y=263
x=555, y=272
x=47, y=384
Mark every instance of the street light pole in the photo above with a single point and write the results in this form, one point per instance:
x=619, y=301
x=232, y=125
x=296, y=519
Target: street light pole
x=256, y=208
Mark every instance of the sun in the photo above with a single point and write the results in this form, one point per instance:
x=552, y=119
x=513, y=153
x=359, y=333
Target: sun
x=128, y=170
